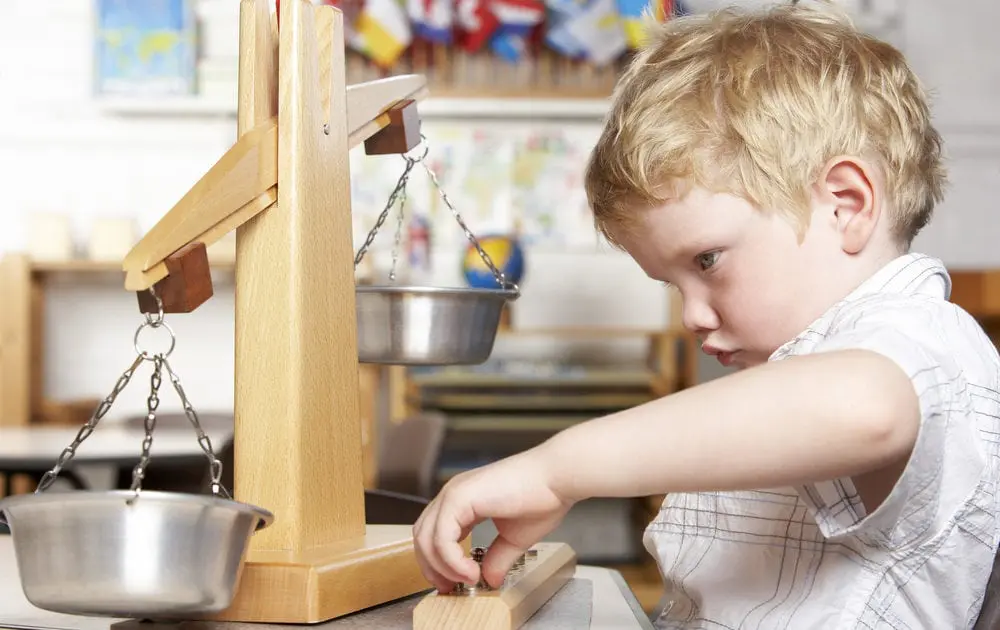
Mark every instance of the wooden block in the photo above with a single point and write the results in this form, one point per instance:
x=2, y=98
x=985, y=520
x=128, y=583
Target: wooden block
x=525, y=590
x=188, y=283
x=400, y=135
x=69, y=413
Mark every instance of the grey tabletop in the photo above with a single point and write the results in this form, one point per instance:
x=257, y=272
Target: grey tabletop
x=595, y=599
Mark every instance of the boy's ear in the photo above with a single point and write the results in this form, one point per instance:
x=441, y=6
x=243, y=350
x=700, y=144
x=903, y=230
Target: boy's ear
x=848, y=186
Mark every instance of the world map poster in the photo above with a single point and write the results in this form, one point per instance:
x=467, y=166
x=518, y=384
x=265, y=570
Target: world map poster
x=145, y=47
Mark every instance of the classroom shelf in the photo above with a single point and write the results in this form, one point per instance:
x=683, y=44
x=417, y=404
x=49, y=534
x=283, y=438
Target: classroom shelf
x=507, y=107
x=101, y=273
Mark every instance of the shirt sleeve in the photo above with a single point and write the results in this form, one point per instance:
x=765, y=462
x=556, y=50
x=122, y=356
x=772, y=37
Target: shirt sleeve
x=947, y=460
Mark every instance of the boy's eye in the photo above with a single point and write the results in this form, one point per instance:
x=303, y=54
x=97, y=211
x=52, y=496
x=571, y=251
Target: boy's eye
x=706, y=260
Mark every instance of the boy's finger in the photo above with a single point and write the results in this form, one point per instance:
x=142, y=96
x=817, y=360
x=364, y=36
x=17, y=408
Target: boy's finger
x=447, y=543
x=499, y=559
x=454, y=523
x=436, y=580
x=435, y=547
x=427, y=542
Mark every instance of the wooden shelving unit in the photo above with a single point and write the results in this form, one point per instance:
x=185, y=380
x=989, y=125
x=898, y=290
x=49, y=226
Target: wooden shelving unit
x=542, y=85
x=23, y=283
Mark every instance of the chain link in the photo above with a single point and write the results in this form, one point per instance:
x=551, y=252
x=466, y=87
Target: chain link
x=102, y=409
x=149, y=423
x=400, y=189
x=158, y=319
x=399, y=235
x=160, y=362
x=215, y=466
x=500, y=277
x=396, y=192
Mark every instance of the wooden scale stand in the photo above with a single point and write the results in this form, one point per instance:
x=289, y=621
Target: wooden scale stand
x=285, y=188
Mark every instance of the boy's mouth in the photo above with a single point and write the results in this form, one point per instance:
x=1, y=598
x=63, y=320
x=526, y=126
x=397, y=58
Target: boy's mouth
x=722, y=356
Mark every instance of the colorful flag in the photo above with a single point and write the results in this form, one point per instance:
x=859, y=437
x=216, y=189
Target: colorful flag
x=383, y=31
x=475, y=23
x=517, y=18
x=432, y=19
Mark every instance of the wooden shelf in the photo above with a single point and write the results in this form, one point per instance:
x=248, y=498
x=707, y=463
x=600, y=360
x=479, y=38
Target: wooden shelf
x=99, y=272
x=513, y=423
x=454, y=105
x=584, y=402
x=75, y=266
x=84, y=266
x=583, y=331
x=588, y=378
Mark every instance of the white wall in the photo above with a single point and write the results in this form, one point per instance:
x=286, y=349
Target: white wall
x=59, y=152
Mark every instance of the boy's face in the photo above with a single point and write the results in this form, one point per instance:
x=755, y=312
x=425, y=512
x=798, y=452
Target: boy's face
x=748, y=285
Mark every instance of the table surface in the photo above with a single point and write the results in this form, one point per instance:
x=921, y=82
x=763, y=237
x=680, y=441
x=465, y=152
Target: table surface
x=614, y=606
x=33, y=446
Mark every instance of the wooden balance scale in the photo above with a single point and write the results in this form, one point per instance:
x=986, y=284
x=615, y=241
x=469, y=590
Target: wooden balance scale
x=284, y=187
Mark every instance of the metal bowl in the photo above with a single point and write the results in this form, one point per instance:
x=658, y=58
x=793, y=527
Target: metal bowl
x=405, y=325
x=160, y=556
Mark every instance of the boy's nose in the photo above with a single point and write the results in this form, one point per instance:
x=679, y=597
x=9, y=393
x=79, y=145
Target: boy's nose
x=699, y=317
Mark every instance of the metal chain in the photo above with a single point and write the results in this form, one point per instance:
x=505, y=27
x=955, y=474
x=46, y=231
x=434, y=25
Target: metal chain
x=215, y=466
x=150, y=320
x=401, y=189
x=399, y=235
x=500, y=277
x=149, y=424
x=159, y=361
x=102, y=409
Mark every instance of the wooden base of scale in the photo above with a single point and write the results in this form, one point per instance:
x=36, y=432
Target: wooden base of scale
x=328, y=583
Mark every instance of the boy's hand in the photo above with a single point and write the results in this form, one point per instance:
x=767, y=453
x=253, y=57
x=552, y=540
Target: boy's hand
x=515, y=492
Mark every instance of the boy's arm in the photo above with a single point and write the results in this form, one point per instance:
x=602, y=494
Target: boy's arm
x=786, y=423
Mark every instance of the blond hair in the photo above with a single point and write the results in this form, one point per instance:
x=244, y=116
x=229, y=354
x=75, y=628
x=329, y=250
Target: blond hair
x=754, y=103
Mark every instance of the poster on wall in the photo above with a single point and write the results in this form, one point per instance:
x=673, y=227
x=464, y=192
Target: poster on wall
x=145, y=47
x=547, y=189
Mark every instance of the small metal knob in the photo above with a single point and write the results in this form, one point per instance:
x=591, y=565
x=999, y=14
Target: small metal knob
x=478, y=553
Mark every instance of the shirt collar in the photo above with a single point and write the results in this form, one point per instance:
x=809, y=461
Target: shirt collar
x=909, y=274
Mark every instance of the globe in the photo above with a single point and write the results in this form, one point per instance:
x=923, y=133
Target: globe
x=506, y=254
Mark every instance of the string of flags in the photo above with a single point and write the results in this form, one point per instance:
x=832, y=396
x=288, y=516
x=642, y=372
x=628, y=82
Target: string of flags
x=596, y=31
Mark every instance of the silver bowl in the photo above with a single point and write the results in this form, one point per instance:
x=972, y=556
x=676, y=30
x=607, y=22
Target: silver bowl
x=160, y=556
x=405, y=325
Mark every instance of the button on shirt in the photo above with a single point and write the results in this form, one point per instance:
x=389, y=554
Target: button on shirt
x=812, y=557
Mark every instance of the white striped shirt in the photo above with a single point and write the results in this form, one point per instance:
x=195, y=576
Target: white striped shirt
x=810, y=557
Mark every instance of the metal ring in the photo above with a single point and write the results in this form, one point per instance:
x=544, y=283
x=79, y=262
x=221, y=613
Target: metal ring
x=138, y=331
x=423, y=141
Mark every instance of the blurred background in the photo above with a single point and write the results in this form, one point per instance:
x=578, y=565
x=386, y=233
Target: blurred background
x=113, y=109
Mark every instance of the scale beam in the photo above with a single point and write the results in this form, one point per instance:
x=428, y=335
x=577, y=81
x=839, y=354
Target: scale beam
x=242, y=183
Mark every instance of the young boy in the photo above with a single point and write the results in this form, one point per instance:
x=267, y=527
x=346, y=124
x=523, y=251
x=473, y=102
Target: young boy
x=774, y=167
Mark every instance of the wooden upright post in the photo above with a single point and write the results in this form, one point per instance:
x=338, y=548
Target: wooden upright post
x=298, y=440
